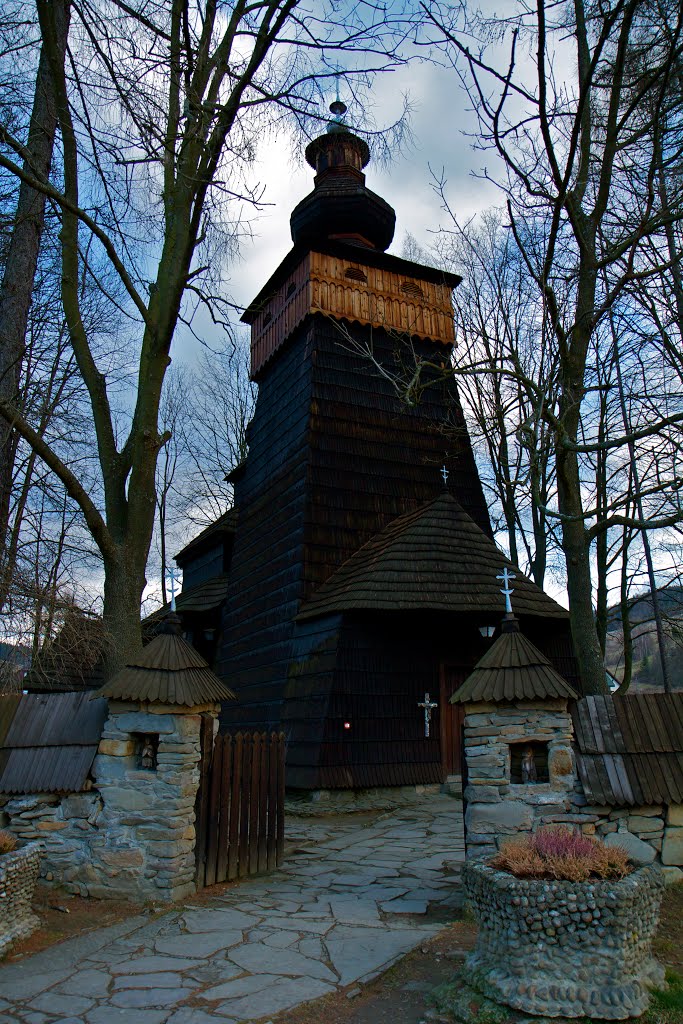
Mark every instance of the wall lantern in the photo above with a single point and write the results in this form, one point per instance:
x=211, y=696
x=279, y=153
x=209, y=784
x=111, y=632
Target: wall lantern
x=487, y=631
x=347, y=725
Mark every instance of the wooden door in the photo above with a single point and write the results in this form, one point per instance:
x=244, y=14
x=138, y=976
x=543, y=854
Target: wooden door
x=451, y=719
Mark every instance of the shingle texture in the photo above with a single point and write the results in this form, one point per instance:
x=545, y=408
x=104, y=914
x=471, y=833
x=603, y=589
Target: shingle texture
x=630, y=748
x=48, y=741
x=168, y=671
x=513, y=669
x=435, y=557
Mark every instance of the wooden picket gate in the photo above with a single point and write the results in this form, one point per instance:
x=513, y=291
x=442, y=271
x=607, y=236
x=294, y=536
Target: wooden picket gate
x=240, y=805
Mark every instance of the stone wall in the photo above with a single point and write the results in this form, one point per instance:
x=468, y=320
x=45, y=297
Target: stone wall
x=497, y=808
x=65, y=826
x=18, y=875
x=560, y=948
x=145, y=841
x=132, y=835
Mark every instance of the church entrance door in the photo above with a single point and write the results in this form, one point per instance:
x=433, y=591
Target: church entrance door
x=451, y=717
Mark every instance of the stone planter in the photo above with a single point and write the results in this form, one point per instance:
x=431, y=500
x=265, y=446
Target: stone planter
x=18, y=875
x=565, y=949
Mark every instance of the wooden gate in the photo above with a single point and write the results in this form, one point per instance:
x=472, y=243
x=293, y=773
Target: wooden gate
x=240, y=805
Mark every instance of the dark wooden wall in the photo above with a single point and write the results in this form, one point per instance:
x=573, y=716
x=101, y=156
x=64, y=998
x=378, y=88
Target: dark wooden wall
x=371, y=670
x=334, y=457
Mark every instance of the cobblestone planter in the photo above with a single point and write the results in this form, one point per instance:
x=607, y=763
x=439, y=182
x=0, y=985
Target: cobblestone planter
x=565, y=949
x=18, y=875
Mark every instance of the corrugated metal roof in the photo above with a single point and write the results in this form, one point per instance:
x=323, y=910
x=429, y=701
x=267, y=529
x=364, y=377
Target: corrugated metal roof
x=168, y=671
x=629, y=749
x=50, y=741
x=436, y=558
x=513, y=669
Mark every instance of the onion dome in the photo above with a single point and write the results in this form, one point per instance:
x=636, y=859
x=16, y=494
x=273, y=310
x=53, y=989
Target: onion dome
x=340, y=207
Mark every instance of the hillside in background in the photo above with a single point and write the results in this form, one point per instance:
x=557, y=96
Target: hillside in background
x=647, y=671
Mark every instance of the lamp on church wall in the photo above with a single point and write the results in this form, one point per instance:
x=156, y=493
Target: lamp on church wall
x=487, y=631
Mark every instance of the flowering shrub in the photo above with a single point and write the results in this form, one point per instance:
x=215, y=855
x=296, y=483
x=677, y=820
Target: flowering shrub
x=560, y=852
x=8, y=842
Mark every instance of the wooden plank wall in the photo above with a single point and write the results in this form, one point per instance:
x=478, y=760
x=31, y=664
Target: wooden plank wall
x=240, y=806
x=348, y=290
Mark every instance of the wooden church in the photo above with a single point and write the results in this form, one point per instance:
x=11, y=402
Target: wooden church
x=355, y=580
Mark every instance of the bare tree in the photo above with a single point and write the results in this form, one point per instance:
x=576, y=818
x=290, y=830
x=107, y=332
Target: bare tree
x=157, y=108
x=580, y=162
x=21, y=258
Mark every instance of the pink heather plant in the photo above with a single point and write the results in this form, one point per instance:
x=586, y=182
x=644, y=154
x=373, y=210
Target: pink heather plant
x=562, y=853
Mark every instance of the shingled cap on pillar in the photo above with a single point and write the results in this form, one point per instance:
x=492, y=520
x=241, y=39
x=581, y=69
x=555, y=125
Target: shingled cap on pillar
x=167, y=671
x=513, y=669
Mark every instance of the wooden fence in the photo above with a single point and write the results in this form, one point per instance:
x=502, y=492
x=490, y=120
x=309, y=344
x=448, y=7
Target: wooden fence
x=240, y=805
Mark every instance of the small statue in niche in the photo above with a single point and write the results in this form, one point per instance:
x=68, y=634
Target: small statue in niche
x=529, y=773
x=148, y=757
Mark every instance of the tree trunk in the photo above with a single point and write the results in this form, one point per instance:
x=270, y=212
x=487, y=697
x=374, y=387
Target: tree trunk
x=123, y=587
x=579, y=588
x=18, y=280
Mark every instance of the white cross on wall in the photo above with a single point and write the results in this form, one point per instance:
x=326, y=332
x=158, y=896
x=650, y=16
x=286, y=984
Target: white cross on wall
x=428, y=706
x=507, y=590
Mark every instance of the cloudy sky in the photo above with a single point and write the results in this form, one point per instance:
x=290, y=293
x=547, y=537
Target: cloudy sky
x=438, y=122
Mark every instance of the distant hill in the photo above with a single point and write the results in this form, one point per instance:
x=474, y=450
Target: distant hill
x=647, y=671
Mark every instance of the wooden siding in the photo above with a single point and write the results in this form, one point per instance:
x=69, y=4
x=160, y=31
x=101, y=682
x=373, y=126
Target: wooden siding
x=334, y=457
x=333, y=286
x=630, y=748
x=49, y=741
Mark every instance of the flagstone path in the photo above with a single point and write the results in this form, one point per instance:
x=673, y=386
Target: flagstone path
x=354, y=896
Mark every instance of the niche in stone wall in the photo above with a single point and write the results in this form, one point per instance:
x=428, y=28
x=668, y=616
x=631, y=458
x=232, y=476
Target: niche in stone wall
x=527, y=758
x=146, y=750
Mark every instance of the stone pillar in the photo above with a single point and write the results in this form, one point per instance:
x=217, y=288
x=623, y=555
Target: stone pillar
x=147, y=771
x=498, y=806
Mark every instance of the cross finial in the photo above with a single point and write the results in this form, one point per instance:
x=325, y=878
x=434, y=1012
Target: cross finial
x=506, y=576
x=174, y=577
x=445, y=474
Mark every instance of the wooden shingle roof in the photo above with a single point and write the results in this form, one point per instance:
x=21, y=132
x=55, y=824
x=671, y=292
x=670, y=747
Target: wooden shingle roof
x=435, y=558
x=629, y=749
x=513, y=669
x=48, y=741
x=168, y=671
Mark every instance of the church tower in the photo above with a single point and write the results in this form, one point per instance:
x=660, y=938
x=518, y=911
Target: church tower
x=342, y=469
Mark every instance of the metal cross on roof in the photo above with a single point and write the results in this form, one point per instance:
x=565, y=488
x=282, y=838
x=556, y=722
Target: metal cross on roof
x=173, y=576
x=506, y=576
x=428, y=706
x=445, y=474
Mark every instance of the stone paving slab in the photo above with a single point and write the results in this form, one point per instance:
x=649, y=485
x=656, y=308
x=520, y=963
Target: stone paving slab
x=352, y=898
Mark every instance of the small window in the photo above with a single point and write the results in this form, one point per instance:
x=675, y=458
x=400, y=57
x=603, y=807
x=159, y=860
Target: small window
x=410, y=288
x=146, y=750
x=355, y=274
x=529, y=763
x=291, y=288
